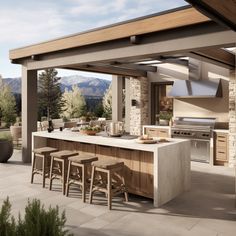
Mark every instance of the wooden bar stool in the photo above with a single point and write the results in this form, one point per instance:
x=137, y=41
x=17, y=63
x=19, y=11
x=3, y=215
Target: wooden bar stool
x=108, y=185
x=58, y=168
x=80, y=177
x=42, y=154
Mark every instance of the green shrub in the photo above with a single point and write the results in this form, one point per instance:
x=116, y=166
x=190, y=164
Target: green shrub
x=7, y=223
x=5, y=136
x=37, y=221
x=165, y=115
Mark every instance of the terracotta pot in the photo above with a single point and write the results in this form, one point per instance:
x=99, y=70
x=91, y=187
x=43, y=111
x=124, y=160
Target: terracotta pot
x=88, y=132
x=6, y=148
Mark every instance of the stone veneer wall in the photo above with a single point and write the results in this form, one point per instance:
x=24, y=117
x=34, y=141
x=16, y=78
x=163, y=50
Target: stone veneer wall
x=139, y=113
x=232, y=119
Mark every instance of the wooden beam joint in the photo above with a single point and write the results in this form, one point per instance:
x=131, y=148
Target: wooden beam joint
x=135, y=39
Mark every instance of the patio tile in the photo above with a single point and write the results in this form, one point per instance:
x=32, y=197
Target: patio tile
x=94, y=210
x=207, y=209
x=95, y=224
x=77, y=204
x=201, y=231
x=223, y=227
x=76, y=218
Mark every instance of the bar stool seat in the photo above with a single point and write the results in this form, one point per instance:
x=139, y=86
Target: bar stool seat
x=108, y=185
x=108, y=164
x=64, y=154
x=45, y=150
x=58, y=169
x=82, y=159
x=79, y=177
x=43, y=154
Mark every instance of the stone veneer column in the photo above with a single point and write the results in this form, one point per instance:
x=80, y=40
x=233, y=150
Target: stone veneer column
x=232, y=119
x=138, y=113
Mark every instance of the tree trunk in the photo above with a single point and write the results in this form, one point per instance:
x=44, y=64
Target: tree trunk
x=48, y=113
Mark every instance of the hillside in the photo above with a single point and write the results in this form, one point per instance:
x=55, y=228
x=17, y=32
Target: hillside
x=89, y=86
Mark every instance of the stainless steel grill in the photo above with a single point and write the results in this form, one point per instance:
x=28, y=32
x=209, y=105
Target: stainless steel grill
x=198, y=131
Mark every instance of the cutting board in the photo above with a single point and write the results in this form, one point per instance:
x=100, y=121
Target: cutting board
x=146, y=141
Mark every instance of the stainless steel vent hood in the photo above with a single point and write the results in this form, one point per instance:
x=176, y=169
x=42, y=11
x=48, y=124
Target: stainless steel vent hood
x=195, y=87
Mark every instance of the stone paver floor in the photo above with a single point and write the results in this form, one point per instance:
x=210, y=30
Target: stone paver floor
x=208, y=209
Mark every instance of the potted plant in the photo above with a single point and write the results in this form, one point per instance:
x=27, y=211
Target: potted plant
x=6, y=146
x=90, y=130
x=165, y=118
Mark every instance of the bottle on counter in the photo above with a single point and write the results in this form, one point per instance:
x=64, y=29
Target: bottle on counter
x=171, y=122
x=50, y=126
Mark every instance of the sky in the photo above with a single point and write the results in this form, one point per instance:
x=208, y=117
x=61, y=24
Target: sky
x=28, y=22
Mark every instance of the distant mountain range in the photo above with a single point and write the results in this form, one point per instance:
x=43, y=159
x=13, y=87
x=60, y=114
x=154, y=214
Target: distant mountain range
x=89, y=86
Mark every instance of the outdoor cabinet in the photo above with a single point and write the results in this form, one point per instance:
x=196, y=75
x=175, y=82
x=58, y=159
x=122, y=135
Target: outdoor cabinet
x=220, y=148
x=157, y=131
x=138, y=171
x=72, y=146
x=106, y=152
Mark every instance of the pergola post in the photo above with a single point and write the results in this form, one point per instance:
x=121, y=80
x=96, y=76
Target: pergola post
x=117, y=86
x=29, y=111
x=127, y=104
x=232, y=118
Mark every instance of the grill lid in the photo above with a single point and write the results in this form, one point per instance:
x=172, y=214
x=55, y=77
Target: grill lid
x=194, y=123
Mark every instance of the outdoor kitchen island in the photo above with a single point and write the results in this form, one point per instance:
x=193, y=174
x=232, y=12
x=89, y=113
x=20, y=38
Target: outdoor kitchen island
x=159, y=171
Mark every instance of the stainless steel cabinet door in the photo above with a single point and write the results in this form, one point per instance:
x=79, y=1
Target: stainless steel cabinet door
x=200, y=150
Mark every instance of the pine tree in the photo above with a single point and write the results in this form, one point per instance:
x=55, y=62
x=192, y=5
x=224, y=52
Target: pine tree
x=50, y=95
x=74, y=103
x=7, y=104
x=107, y=103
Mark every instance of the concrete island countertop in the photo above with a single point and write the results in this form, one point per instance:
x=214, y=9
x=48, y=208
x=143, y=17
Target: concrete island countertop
x=166, y=166
x=221, y=130
x=157, y=126
x=107, y=141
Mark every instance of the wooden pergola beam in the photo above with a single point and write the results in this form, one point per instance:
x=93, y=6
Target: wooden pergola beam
x=106, y=69
x=168, y=44
x=177, y=61
x=175, y=18
x=140, y=67
x=220, y=11
x=217, y=55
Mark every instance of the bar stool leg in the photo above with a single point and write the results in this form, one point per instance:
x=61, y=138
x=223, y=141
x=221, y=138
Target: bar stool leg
x=33, y=166
x=43, y=170
x=84, y=185
x=68, y=179
x=109, y=189
x=91, y=185
x=124, y=186
x=63, y=177
x=51, y=171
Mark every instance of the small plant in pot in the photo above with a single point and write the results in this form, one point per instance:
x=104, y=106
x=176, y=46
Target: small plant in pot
x=165, y=118
x=6, y=146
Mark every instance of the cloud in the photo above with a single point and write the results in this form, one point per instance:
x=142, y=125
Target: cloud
x=44, y=20
x=22, y=26
x=94, y=13
x=34, y=21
